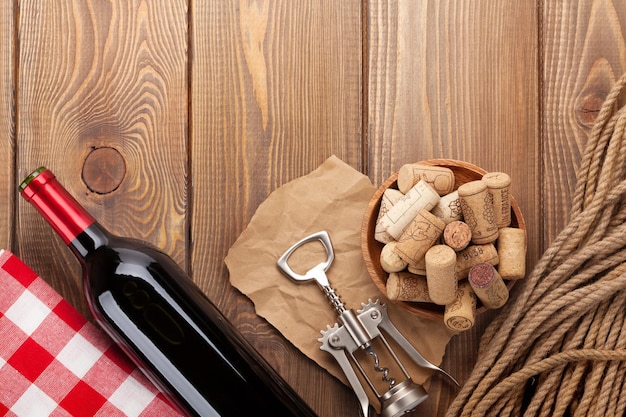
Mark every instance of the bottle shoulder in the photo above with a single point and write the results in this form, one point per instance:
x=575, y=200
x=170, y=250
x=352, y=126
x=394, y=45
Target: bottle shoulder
x=117, y=250
x=123, y=265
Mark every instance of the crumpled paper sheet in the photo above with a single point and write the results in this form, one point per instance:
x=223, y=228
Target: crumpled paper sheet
x=331, y=198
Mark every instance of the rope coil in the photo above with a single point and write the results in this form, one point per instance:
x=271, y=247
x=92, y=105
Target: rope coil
x=559, y=347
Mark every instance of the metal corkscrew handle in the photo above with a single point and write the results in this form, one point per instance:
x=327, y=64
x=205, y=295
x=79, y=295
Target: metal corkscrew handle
x=318, y=272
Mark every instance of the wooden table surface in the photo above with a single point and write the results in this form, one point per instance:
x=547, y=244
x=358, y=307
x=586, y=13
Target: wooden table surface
x=171, y=121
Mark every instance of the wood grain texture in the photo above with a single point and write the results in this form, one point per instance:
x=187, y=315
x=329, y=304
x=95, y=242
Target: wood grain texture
x=173, y=121
x=7, y=121
x=584, y=52
x=457, y=80
x=276, y=90
x=96, y=75
x=450, y=80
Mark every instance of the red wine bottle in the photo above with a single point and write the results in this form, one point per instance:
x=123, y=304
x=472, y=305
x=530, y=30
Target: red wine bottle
x=161, y=319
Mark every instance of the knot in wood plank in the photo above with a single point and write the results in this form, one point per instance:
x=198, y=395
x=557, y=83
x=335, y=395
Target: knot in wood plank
x=588, y=108
x=104, y=170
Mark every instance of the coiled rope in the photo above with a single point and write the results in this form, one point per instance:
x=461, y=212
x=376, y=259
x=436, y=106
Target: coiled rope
x=559, y=347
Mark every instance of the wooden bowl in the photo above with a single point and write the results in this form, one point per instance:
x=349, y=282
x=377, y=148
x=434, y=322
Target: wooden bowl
x=463, y=172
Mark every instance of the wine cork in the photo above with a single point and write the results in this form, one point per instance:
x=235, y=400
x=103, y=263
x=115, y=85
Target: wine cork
x=473, y=255
x=488, y=285
x=512, y=252
x=477, y=206
x=419, y=268
x=389, y=198
x=460, y=315
x=421, y=196
x=419, y=236
x=390, y=261
x=457, y=235
x=440, y=178
x=441, y=274
x=448, y=208
x=498, y=184
x=404, y=286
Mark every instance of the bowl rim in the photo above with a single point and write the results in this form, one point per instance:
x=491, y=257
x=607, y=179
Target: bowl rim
x=369, y=222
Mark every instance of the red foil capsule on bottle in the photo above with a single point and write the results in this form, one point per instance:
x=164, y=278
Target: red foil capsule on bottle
x=46, y=192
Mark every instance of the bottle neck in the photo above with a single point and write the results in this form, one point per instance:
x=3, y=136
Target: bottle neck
x=66, y=216
x=90, y=239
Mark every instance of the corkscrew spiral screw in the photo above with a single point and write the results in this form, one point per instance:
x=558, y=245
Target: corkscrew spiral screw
x=384, y=370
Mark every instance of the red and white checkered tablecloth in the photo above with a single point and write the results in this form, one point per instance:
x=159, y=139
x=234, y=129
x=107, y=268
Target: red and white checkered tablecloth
x=53, y=362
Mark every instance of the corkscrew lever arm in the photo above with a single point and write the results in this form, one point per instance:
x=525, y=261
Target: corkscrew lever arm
x=391, y=330
x=338, y=342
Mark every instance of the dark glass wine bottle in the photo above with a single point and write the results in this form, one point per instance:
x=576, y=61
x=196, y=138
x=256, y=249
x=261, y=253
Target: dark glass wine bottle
x=161, y=319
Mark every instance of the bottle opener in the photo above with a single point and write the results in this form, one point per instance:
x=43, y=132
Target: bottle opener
x=358, y=331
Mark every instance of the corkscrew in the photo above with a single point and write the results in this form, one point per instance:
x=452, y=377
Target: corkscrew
x=363, y=332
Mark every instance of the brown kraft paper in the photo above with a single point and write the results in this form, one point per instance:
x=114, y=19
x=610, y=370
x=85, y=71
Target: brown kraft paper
x=333, y=198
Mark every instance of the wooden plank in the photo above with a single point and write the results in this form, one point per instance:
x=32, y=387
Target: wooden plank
x=584, y=52
x=457, y=80
x=276, y=89
x=103, y=104
x=7, y=122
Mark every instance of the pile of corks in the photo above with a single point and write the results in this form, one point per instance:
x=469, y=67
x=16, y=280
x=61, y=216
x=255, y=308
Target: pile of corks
x=447, y=246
